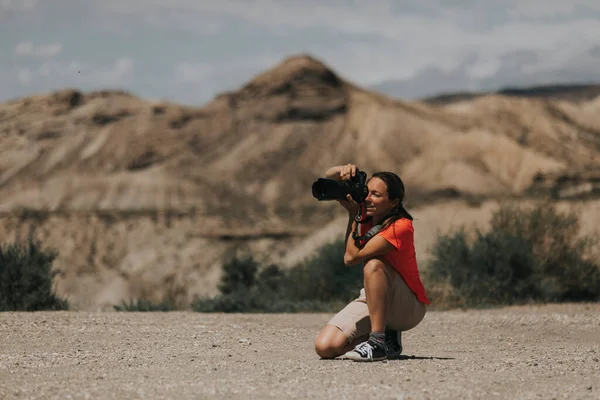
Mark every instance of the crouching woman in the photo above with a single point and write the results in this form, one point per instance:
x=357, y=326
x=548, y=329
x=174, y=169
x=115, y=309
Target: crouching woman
x=393, y=299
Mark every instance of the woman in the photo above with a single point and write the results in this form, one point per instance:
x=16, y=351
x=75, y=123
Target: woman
x=393, y=298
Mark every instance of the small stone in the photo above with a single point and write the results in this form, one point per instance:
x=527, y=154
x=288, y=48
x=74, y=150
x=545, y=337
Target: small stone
x=243, y=340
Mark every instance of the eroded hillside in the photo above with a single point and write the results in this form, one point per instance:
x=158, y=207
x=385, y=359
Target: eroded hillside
x=239, y=170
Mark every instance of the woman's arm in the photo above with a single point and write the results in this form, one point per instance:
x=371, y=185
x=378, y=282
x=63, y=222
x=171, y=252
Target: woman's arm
x=376, y=246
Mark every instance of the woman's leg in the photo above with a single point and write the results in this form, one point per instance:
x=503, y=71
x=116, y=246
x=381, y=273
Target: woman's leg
x=378, y=279
x=345, y=330
x=404, y=312
x=332, y=342
x=377, y=287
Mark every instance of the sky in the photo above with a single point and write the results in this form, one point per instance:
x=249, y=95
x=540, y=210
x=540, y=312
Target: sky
x=188, y=51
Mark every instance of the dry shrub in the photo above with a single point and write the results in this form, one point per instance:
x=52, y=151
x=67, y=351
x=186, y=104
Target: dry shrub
x=530, y=254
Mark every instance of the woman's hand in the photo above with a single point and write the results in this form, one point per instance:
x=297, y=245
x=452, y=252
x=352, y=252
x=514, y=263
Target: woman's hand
x=350, y=205
x=341, y=172
x=344, y=173
x=347, y=172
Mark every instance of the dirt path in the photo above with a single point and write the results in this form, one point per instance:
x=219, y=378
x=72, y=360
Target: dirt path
x=518, y=353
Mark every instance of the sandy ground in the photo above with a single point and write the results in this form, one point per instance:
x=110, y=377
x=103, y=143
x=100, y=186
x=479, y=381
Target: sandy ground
x=517, y=353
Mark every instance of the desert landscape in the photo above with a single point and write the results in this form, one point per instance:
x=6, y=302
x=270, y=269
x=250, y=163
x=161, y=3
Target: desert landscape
x=143, y=199
x=548, y=352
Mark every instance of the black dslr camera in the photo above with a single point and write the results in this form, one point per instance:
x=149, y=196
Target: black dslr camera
x=329, y=189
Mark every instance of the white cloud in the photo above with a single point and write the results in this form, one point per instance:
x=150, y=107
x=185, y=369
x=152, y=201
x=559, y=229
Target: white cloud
x=122, y=66
x=366, y=42
x=181, y=15
x=54, y=72
x=377, y=18
x=25, y=76
x=17, y=5
x=541, y=9
x=192, y=72
x=28, y=48
x=200, y=72
x=484, y=67
x=119, y=73
x=446, y=45
x=49, y=50
x=24, y=48
x=396, y=44
x=11, y=8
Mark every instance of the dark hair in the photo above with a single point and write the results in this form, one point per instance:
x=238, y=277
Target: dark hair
x=395, y=188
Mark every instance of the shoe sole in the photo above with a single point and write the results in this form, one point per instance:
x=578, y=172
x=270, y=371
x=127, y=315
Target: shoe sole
x=360, y=359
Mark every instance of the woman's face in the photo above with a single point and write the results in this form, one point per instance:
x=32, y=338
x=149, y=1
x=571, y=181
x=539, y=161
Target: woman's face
x=377, y=202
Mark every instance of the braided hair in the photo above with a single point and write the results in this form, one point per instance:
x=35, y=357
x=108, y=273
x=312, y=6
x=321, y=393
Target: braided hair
x=395, y=188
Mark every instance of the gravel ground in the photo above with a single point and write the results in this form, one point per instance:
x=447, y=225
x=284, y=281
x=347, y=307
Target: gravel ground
x=517, y=353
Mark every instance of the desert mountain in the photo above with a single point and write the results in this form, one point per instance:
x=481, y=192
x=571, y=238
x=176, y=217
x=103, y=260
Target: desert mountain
x=260, y=148
x=241, y=168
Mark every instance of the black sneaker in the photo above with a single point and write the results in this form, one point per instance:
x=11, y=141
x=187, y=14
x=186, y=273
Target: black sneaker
x=367, y=351
x=393, y=342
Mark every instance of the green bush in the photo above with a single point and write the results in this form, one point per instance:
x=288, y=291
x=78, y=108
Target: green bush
x=255, y=301
x=26, y=278
x=322, y=283
x=529, y=254
x=239, y=273
x=324, y=277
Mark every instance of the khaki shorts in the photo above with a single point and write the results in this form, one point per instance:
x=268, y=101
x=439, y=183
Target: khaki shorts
x=404, y=310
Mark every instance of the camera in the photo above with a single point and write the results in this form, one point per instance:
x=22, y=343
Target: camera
x=330, y=189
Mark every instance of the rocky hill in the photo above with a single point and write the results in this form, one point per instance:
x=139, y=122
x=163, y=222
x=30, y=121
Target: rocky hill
x=137, y=193
x=573, y=93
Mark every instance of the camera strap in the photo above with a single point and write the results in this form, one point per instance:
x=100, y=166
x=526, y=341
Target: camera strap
x=372, y=232
x=359, y=220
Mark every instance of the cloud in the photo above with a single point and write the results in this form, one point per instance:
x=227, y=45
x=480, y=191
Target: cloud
x=541, y=9
x=42, y=51
x=119, y=73
x=391, y=39
x=11, y=8
x=385, y=18
x=193, y=72
x=54, y=74
x=211, y=46
x=181, y=15
x=516, y=69
x=17, y=5
x=121, y=68
x=25, y=76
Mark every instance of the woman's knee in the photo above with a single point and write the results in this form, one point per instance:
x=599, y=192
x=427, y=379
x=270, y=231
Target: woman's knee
x=325, y=348
x=374, y=265
x=330, y=342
